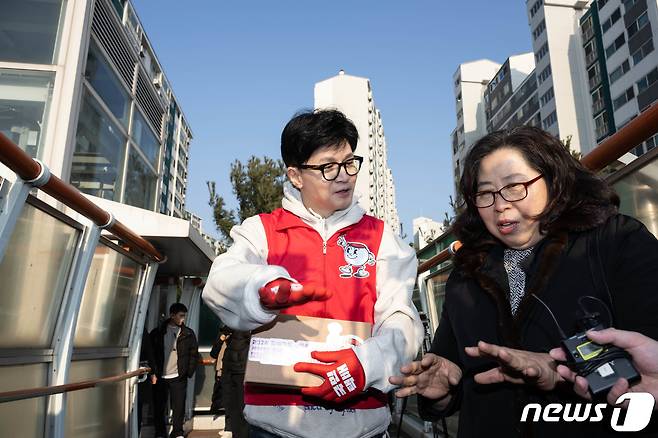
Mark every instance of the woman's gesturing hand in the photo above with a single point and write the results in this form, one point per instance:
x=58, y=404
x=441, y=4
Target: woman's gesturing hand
x=431, y=377
x=516, y=366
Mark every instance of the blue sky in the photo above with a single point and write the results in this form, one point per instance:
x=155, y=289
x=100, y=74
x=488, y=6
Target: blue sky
x=241, y=69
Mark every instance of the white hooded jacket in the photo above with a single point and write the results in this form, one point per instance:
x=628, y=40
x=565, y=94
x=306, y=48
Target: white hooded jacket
x=232, y=292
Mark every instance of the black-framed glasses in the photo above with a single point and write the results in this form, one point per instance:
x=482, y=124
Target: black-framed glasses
x=331, y=170
x=510, y=193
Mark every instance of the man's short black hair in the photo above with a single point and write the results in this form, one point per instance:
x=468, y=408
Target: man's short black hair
x=177, y=308
x=310, y=130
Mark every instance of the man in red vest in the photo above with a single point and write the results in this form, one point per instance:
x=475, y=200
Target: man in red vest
x=320, y=255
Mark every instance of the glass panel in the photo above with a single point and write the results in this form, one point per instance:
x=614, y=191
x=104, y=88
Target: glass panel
x=108, y=302
x=209, y=325
x=29, y=30
x=639, y=197
x=34, y=272
x=23, y=418
x=204, y=381
x=107, y=85
x=140, y=183
x=145, y=139
x=99, y=153
x=100, y=411
x=24, y=105
x=438, y=288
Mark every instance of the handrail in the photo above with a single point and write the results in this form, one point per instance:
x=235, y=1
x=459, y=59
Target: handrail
x=440, y=257
x=22, y=394
x=29, y=169
x=635, y=132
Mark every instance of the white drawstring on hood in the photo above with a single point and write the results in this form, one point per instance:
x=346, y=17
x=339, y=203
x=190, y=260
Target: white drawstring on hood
x=326, y=227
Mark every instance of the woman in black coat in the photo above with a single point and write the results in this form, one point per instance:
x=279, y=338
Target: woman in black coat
x=536, y=223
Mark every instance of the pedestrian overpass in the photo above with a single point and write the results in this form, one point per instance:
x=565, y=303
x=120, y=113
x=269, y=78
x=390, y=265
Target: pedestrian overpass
x=82, y=277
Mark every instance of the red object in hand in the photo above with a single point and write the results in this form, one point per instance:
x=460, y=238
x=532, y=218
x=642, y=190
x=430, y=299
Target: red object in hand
x=343, y=375
x=281, y=293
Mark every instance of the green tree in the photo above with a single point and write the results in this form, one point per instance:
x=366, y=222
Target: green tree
x=258, y=188
x=456, y=207
x=567, y=144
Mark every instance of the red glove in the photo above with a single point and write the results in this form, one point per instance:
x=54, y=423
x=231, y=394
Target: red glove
x=343, y=379
x=281, y=293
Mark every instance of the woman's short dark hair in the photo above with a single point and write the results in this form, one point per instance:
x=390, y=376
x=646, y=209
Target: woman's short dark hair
x=577, y=199
x=310, y=130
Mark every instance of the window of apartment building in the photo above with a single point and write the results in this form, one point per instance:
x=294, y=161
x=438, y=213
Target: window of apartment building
x=30, y=30
x=597, y=100
x=616, y=45
x=586, y=29
x=602, y=3
x=535, y=8
x=100, y=146
x=108, y=86
x=620, y=71
x=594, y=76
x=544, y=74
x=547, y=97
x=622, y=99
x=549, y=120
x=651, y=143
x=647, y=81
x=543, y=50
x=541, y=27
x=638, y=150
x=628, y=4
x=638, y=24
x=145, y=138
x=590, y=52
x=25, y=97
x=601, y=125
x=141, y=181
x=642, y=52
x=612, y=19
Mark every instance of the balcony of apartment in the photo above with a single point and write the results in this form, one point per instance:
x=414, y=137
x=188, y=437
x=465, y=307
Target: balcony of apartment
x=594, y=81
x=588, y=33
x=598, y=106
x=602, y=130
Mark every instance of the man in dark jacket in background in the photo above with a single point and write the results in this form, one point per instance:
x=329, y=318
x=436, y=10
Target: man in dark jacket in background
x=176, y=356
x=234, y=364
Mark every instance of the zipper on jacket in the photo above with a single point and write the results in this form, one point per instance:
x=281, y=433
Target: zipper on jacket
x=324, y=237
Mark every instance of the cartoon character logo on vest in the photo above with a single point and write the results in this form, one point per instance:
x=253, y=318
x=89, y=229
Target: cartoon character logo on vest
x=357, y=255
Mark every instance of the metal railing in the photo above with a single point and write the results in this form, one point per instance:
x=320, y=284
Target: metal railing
x=635, y=132
x=29, y=170
x=22, y=394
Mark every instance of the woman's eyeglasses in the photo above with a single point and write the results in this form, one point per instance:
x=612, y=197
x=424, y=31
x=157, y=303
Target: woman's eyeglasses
x=510, y=193
x=331, y=170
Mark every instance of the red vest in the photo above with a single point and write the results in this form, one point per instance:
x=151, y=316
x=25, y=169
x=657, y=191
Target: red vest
x=344, y=264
